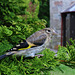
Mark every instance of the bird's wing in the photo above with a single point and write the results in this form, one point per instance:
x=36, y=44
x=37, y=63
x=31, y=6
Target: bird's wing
x=37, y=39
x=22, y=46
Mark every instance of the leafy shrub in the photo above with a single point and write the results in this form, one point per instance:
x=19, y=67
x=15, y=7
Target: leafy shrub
x=19, y=19
x=71, y=49
x=23, y=66
x=67, y=54
x=44, y=11
x=63, y=53
x=4, y=46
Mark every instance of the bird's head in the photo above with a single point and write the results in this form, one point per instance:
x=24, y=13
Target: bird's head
x=48, y=34
x=50, y=31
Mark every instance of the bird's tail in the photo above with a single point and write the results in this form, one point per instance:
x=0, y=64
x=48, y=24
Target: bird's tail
x=5, y=55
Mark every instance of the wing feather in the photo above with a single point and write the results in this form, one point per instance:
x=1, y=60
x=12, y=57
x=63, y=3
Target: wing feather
x=36, y=39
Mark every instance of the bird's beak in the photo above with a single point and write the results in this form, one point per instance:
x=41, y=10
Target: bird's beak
x=54, y=33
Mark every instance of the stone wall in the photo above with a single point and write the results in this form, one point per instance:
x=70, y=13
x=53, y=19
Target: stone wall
x=56, y=7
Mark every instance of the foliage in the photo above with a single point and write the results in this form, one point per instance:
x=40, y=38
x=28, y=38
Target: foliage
x=23, y=66
x=18, y=20
x=4, y=46
x=67, y=54
x=44, y=11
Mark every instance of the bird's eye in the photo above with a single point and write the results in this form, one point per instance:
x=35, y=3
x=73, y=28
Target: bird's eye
x=49, y=31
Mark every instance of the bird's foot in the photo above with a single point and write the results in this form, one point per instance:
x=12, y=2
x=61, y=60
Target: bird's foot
x=39, y=55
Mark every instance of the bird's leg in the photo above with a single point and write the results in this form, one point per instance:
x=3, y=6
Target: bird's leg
x=39, y=55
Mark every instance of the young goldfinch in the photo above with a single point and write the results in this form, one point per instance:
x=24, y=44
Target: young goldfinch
x=33, y=44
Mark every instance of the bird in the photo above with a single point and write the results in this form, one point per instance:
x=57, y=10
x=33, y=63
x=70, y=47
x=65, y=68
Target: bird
x=34, y=44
